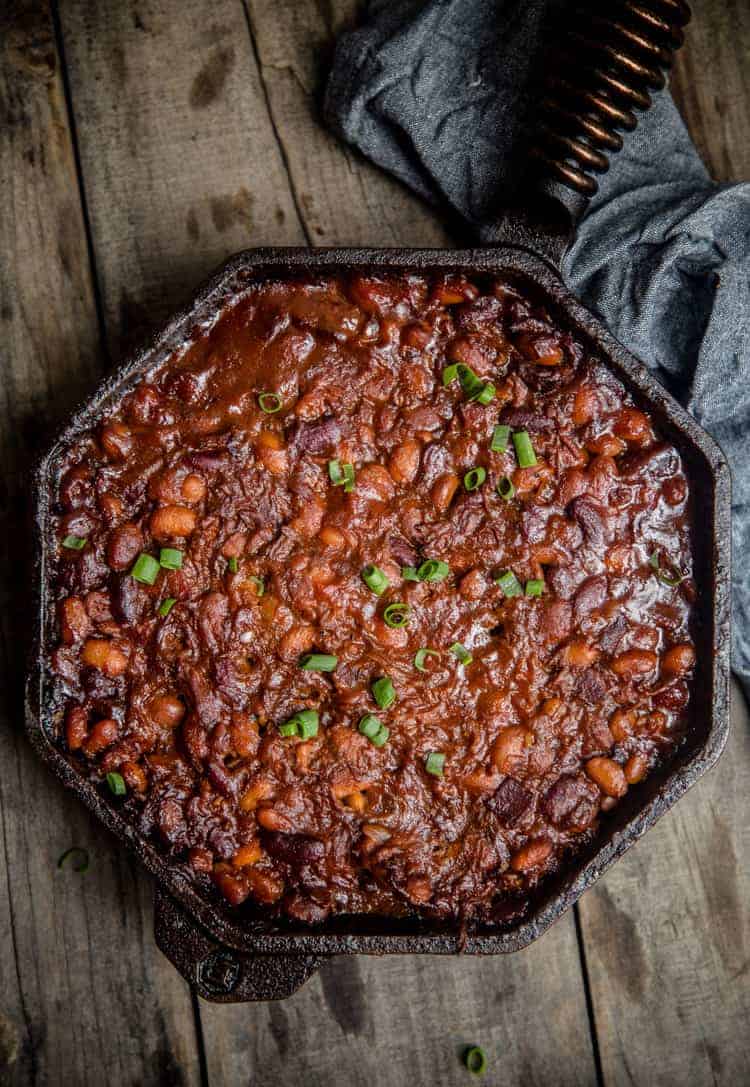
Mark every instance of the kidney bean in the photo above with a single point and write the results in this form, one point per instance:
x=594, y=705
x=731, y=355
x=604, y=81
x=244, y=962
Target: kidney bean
x=74, y=622
x=532, y=855
x=170, y=522
x=608, y=775
x=443, y=491
x=404, y=461
x=104, y=655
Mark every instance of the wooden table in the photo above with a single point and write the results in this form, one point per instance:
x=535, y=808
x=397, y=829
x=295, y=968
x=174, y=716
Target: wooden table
x=140, y=143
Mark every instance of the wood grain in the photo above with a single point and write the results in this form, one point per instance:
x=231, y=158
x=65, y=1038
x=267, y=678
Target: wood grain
x=77, y=992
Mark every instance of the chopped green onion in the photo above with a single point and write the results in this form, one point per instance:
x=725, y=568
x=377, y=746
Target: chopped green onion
x=509, y=583
x=524, y=449
x=381, y=738
x=396, y=615
x=535, y=587
x=450, y=373
x=270, y=403
x=384, y=692
x=233, y=564
x=433, y=570
x=475, y=1060
x=421, y=656
x=474, y=478
x=370, y=725
x=74, y=543
x=348, y=478
x=471, y=385
x=258, y=583
x=500, y=438
x=318, y=662
x=80, y=857
x=166, y=606
x=116, y=784
x=375, y=579
x=461, y=652
x=409, y=573
x=486, y=393
x=341, y=475
x=434, y=763
x=506, y=488
x=170, y=558
x=145, y=569
x=304, y=724
x=662, y=575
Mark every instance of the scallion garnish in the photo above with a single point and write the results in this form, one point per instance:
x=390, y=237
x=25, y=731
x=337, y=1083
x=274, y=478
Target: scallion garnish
x=258, y=584
x=486, y=393
x=434, y=763
x=375, y=579
x=524, y=449
x=662, y=575
x=74, y=543
x=509, y=583
x=475, y=1060
x=270, y=403
x=461, y=653
x=170, y=558
x=534, y=587
x=421, y=656
x=304, y=724
x=409, y=573
x=396, y=615
x=383, y=692
x=500, y=438
x=318, y=662
x=506, y=488
x=116, y=784
x=145, y=569
x=450, y=373
x=474, y=478
x=232, y=564
x=80, y=859
x=341, y=475
x=374, y=729
x=166, y=606
x=433, y=570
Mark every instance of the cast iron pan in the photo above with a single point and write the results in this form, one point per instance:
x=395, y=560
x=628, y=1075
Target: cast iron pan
x=257, y=958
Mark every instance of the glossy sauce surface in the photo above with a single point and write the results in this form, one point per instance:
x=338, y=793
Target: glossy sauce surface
x=569, y=698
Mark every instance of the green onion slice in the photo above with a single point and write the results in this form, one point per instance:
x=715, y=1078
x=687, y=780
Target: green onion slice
x=170, y=558
x=304, y=724
x=486, y=393
x=506, y=488
x=461, y=652
x=116, y=784
x=450, y=373
x=500, y=438
x=74, y=543
x=381, y=737
x=341, y=475
x=145, y=569
x=384, y=692
x=535, y=587
x=233, y=564
x=370, y=725
x=166, y=606
x=289, y=728
x=270, y=403
x=80, y=858
x=375, y=579
x=509, y=583
x=471, y=385
x=524, y=449
x=421, y=656
x=433, y=570
x=662, y=574
x=435, y=763
x=396, y=615
x=318, y=662
x=475, y=1060
x=474, y=478
x=409, y=573
x=258, y=584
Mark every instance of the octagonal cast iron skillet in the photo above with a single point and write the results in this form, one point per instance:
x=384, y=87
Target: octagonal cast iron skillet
x=231, y=958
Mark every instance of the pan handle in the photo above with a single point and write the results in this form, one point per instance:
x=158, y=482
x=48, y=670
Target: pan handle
x=221, y=974
x=601, y=67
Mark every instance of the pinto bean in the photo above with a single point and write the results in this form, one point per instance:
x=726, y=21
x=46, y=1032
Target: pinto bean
x=74, y=621
x=124, y=545
x=443, y=491
x=170, y=522
x=104, y=655
x=76, y=727
x=117, y=440
x=634, y=662
x=404, y=461
x=509, y=748
x=298, y=640
x=608, y=775
x=102, y=735
x=532, y=855
x=166, y=710
x=636, y=768
x=193, y=488
x=247, y=855
x=678, y=660
x=634, y=427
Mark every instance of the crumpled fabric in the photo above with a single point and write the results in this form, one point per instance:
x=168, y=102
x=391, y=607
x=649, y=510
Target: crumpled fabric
x=438, y=93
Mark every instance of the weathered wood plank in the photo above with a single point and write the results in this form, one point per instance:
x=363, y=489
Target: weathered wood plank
x=399, y=1020
x=667, y=934
x=77, y=993
x=180, y=163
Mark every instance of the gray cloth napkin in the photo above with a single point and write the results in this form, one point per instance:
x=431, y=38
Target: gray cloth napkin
x=437, y=92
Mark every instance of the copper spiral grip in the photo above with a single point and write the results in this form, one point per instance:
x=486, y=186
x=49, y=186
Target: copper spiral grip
x=605, y=60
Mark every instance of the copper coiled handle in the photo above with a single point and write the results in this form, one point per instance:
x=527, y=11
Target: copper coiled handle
x=606, y=58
